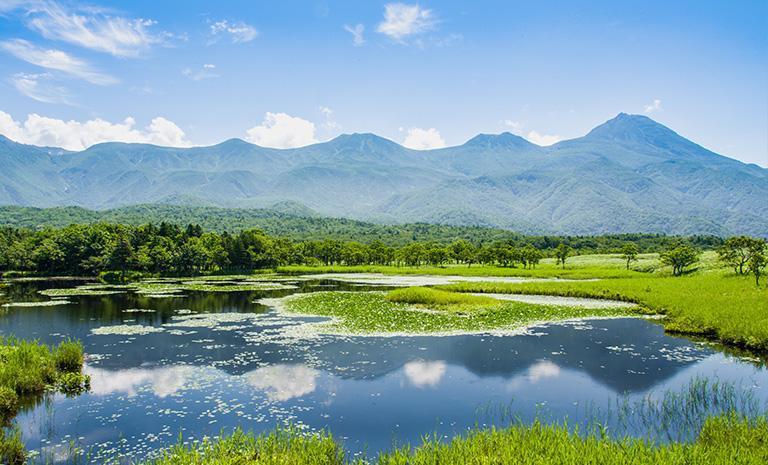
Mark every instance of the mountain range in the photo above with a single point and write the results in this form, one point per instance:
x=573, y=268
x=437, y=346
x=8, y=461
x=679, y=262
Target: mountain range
x=630, y=174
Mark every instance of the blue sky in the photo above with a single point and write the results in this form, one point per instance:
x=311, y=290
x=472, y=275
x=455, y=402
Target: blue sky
x=426, y=74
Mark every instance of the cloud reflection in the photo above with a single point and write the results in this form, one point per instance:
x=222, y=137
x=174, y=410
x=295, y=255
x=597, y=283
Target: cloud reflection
x=284, y=382
x=163, y=381
x=422, y=374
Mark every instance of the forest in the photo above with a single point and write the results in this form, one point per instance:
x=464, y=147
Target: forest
x=91, y=249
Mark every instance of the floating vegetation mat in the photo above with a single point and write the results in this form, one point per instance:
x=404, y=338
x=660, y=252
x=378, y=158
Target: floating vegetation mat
x=173, y=289
x=371, y=314
x=47, y=303
x=80, y=291
x=125, y=330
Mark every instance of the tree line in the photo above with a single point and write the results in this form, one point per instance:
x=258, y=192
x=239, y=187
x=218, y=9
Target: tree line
x=91, y=249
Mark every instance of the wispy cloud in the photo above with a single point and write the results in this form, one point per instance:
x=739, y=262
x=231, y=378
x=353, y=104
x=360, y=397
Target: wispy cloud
x=653, y=107
x=207, y=71
x=402, y=20
x=88, y=27
x=76, y=135
x=357, y=31
x=56, y=60
x=238, y=32
x=39, y=87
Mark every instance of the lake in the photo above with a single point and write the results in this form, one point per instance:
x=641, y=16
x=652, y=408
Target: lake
x=203, y=363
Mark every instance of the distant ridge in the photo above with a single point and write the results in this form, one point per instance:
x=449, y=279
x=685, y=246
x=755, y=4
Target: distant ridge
x=629, y=174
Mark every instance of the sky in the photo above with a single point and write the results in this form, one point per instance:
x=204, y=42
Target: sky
x=426, y=75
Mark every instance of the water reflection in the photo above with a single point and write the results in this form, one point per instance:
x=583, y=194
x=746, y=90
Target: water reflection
x=283, y=382
x=163, y=381
x=217, y=361
x=424, y=374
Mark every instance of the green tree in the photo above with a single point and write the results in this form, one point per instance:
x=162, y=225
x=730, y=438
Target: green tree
x=120, y=256
x=736, y=252
x=629, y=252
x=680, y=256
x=758, y=260
x=561, y=253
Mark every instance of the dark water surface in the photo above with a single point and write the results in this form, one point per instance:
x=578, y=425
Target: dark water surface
x=197, y=377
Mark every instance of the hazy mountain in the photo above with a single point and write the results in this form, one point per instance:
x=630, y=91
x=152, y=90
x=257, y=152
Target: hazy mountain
x=629, y=174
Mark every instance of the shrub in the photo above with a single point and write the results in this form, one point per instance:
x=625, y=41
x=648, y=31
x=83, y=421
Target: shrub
x=69, y=356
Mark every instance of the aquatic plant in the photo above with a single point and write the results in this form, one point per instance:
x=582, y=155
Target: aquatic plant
x=69, y=356
x=370, y=313
x=30, y=368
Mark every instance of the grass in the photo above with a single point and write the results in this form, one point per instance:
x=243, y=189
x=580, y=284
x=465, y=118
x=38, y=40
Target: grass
x=29, y=369
x=545, y=270
x=727, y=439
x=434, y=297
x=717, y=305
x=366, y=313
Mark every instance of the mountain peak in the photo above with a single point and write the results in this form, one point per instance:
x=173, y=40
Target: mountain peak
x=631, y=128
x=363, y=141
x=505, y=140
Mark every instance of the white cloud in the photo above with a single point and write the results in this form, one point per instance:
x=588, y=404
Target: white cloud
x=284, y=382
x=543, y=139
x=516, y=127
x=402, y=20
x=422, y=374
x=423, y=139
x=280, y=130
x=75, y=135
x=653, y=106
x=357, y=31
x=205, y=72
x=55, y=60
x=39, y=87
x=92, y=28
x=239, y=32
x=329, y=124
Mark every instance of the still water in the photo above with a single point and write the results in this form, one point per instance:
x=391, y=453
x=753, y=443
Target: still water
x=213, y=361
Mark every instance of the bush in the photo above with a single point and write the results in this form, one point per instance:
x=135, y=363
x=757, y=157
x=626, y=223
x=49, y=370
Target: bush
x=9, y=404
x=69, y=356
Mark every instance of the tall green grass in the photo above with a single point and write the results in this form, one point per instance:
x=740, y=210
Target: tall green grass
x=29, y=369
x=432, y=297
x=724, y=440
x=712, y=304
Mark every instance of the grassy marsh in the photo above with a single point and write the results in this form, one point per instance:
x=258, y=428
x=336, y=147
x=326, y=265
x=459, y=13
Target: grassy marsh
x=728, y=308
x=366, y=313
x=30, y=369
